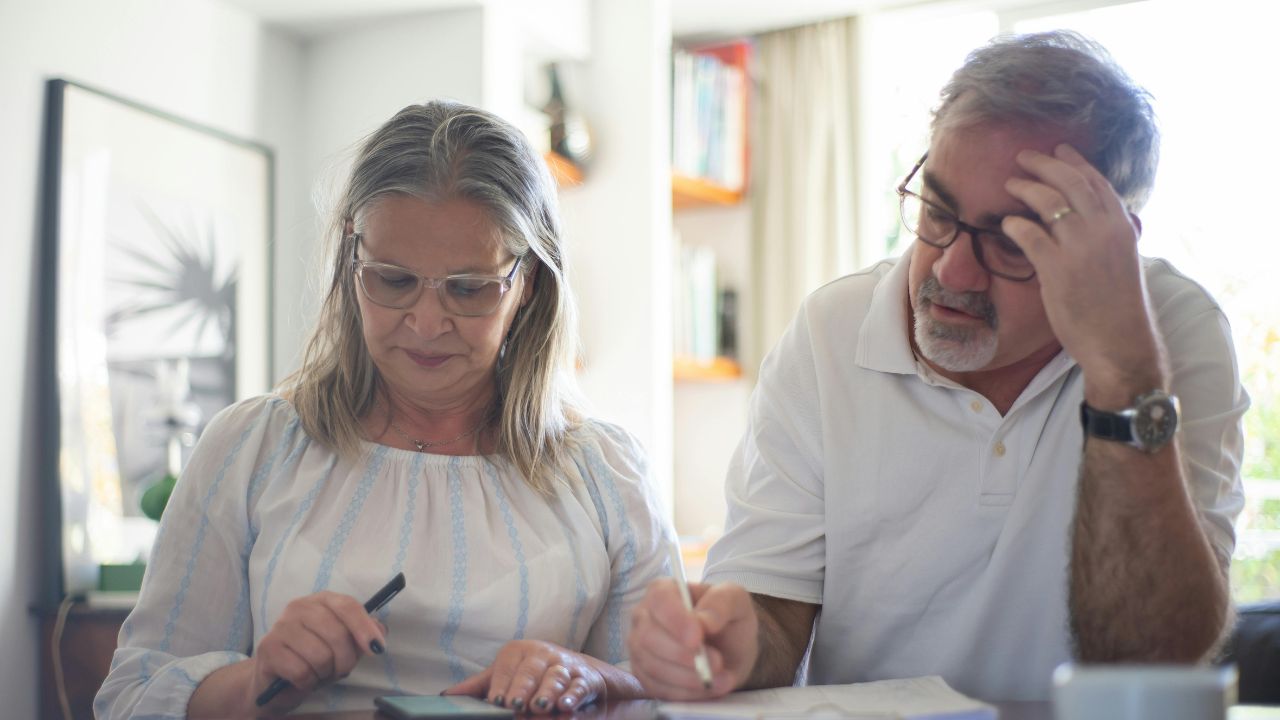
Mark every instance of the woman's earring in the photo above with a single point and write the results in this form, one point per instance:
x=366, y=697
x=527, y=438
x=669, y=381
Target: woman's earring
x=502, y=354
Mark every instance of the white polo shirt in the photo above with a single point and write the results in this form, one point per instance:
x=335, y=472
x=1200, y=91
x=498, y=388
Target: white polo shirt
x=933, y=531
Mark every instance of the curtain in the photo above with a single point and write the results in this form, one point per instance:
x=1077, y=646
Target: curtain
x=803, y=196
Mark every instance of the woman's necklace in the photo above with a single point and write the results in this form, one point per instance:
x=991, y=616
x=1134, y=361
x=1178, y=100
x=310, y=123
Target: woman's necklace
x=423, y=445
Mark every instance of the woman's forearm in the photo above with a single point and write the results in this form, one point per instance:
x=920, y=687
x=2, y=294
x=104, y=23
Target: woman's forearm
x=224, y=693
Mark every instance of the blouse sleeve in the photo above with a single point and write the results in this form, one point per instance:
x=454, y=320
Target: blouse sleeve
x=636, y=535
x=192, y=615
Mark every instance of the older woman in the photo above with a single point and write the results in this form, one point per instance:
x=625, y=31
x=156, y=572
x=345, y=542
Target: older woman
x=431, y=430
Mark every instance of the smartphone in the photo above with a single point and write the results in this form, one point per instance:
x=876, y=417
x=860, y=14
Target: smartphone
x=418, y=707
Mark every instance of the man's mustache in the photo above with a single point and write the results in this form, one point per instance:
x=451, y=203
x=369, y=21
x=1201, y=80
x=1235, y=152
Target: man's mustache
x=974, y=303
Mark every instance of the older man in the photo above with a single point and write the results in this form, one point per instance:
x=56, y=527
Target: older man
x=1017, y=445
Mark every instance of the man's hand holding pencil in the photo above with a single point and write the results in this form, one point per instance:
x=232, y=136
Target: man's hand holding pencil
x=667, y=637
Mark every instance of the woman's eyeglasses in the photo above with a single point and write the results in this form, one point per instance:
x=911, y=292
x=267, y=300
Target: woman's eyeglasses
x=469, y=295
x=939, y=227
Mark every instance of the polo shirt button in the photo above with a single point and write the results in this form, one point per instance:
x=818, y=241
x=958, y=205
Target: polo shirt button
x=976, y=405
x=999, y=449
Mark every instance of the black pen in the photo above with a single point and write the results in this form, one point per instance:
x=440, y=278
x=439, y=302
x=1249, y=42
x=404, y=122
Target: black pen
x=374, y=604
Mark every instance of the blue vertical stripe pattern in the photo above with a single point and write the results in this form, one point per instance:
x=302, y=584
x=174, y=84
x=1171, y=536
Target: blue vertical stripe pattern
x=298, y=514
x=458, y=592
x=522, y=616
x=593, y=489
x=622, y=574
x=240, y=620
x=180, y=597
x=579, y=585
x=406, y=533
x=339, y=539
x=288, y=439
x=348, y=520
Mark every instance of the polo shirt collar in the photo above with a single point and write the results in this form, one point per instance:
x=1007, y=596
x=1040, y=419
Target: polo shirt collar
x=883, y=344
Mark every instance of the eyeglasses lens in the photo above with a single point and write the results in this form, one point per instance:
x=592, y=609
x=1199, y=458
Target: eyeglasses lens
x=461, y=295
x=937, y=227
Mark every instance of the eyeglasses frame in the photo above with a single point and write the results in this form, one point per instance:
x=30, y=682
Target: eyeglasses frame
x=974, y=232
x=357, y=266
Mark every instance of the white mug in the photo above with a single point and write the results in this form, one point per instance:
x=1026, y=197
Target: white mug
x=1143, y=692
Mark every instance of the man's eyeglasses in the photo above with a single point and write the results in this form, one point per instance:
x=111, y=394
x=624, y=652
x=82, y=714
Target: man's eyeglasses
x=939, y=227
x=395, y=287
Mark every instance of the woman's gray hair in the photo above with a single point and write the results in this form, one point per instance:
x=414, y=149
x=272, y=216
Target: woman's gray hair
x=438, y=151
x=1061, y=79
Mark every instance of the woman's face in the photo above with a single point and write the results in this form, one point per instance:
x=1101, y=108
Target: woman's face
x=426, y=354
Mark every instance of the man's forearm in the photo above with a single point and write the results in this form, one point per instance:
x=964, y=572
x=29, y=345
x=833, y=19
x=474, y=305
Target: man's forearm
x=1145, y=585
x=783, y=636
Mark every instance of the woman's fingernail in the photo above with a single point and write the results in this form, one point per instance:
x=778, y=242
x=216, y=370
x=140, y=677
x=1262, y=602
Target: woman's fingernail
x=497, y=700
x=541, y=703
x=376, y=647
x=517, y=704
x=567, y=702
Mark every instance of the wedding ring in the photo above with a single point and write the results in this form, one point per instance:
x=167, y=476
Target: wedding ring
x=1062, y=212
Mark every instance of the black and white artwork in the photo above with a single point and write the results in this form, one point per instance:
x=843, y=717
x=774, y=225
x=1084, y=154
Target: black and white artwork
x=156, y=281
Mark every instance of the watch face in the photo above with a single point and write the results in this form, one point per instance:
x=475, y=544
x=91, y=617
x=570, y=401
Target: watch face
x=1155, y=421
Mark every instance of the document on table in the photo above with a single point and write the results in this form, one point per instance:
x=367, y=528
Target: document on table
x=922, y=698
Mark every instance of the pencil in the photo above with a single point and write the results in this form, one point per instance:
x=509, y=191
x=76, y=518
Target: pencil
x=677, y=571
x=373, y=605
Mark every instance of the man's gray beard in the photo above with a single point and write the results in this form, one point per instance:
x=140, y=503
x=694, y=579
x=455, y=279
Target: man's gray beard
x=955, y=348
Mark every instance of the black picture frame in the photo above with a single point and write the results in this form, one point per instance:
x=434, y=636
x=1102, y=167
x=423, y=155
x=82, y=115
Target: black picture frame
x=155, y=311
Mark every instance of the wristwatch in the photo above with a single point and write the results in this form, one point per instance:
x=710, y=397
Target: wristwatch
x=1149, y=425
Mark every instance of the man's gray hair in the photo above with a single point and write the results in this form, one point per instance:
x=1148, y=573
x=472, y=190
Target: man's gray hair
x=1060, y=79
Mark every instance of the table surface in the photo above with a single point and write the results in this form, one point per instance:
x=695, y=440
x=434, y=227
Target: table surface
x=645, y=710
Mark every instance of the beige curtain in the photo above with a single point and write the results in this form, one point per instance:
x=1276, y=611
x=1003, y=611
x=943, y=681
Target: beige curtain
x=803, y=175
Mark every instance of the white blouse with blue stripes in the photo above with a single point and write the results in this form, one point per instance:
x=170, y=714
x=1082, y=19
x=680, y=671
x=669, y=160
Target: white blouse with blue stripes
x=263, y=515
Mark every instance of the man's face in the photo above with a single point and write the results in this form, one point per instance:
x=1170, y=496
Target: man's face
x=964, y=318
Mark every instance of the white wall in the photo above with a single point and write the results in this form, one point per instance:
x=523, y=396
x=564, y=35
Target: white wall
x=619, y=225
x=195, y=58
x=352, y=82
x=279, y=107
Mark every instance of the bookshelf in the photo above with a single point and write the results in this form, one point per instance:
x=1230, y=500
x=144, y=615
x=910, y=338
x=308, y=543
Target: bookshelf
x=690, y=192
x=566, y=174
x=709, y=158
x=710, y=102
x=717, y=369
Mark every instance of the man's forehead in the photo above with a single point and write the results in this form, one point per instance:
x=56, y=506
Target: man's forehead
x=994, y=143
x=975, y=162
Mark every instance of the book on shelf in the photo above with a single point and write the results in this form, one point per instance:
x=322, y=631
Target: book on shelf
x=708, y=125
x=696, y=321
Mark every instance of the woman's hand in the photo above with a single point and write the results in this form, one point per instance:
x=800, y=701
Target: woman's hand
x=317, y=640
x=539, y=677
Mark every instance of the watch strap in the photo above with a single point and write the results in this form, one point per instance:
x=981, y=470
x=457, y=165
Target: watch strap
x=1106, y=425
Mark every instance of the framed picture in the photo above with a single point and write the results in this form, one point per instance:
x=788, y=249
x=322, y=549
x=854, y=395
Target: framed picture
x=155, y=303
